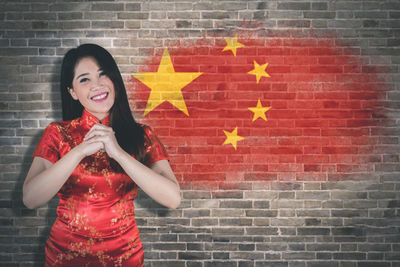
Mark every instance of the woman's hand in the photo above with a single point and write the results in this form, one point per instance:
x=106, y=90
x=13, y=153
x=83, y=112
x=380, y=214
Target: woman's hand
x=89, y=148
x=103, y=135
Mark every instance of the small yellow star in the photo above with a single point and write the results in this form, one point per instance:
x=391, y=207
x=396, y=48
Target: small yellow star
x=232, y=138
x=259, y=71
x=259, y=111
x=232, y=44
x=166, y=84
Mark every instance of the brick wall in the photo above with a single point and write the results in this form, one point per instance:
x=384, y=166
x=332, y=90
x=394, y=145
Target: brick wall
x=279, y=218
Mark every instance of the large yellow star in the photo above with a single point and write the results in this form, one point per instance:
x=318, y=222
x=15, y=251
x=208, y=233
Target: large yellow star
x=259, y=111
x=166, y=84
x=232, y=44
x=259, y=71
x=232, y=138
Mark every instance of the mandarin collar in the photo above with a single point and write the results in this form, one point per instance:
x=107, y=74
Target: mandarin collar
x=89, y=119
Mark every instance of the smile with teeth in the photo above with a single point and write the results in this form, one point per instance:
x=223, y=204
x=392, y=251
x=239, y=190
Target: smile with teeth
x=100, y=97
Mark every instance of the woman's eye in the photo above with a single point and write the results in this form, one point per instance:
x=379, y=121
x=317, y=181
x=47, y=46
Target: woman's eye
x=102, y=73
x=83, y=80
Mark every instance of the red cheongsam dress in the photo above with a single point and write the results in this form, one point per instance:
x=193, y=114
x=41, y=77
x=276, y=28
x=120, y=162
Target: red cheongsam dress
x=95, y=223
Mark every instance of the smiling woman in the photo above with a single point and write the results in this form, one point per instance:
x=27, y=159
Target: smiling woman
x=93, y=88
x=95, y=160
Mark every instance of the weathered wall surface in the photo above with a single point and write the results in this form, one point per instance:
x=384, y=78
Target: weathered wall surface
x=282, y=210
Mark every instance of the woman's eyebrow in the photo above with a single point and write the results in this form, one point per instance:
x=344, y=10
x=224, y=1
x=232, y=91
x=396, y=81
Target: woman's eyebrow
x=83, y=74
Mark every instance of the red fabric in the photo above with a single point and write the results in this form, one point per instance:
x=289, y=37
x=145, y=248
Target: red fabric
x=96, y=219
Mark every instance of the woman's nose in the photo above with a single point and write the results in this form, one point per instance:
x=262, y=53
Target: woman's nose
x=95, y=84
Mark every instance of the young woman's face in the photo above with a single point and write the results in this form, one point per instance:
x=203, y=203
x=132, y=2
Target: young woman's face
x=94, y=90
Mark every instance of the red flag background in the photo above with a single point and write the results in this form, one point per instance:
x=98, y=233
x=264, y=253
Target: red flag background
x=325, y=116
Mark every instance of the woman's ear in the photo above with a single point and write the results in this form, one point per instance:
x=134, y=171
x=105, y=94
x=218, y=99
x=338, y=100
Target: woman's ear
x=73, y=94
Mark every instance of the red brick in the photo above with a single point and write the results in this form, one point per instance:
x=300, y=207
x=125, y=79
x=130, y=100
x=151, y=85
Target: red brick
x=287, y=158
x=327, y=60
x=309, y=159
x=328, y=168
x=312, y=150
x=340, y=150
x=341, y=158
x=284, y=132
x=344, y=132
x=301, y=42
x=363, y=95
x=196, y=150
x=279, y=87
x=311, y=132
x=311, y=123
x=311, y=176
x=286, y=141
x=274, y=69
x=337, y=123
x=320, y=51
x=312, y=168
x=367, y=159
x=304, y=140
x=276, y=51
x=326, y=69
x=354, y=168
x=183, y=123
x=262, y=176
x=285, y=167
x=352, y=69
x=260, y=157
x=260, y=168
x=335, y=114
x=275, y=95
x=285, y=150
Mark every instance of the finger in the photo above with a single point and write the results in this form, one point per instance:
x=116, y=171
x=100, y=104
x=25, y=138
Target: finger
x=97, y=138
x=100, y=145
x=94, y=138
x=101, y=126
x=97, y=132
x=94, y=127
x=92, y=148
x=98, y=126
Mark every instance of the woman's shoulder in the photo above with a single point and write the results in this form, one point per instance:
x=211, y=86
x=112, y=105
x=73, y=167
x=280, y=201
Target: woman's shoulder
x=149, y=135
x=62, y=126
x=145, y=127
x=148, y=130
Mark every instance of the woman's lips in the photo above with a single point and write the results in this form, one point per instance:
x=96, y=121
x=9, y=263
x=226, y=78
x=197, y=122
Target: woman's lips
x=100, y=97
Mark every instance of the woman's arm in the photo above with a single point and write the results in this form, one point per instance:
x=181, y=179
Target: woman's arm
x=158, y=182
x=45, y=179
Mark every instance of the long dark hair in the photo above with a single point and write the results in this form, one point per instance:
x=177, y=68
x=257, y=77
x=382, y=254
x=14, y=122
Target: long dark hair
x=129, y=134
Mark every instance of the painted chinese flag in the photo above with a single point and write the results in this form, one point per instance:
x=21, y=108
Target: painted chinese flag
x=240, y=108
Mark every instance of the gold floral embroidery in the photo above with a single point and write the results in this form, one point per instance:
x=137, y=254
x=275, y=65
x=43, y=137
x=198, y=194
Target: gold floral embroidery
x=125, y=215
x=132, y=245
x=93, y=194
x=121, y=185
x=102, y=257
x=77, y=250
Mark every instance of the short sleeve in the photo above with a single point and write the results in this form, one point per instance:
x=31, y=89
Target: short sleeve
x=48, y=145
x=154, y=149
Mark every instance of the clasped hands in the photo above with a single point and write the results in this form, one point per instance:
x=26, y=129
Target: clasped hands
x=100, y=138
